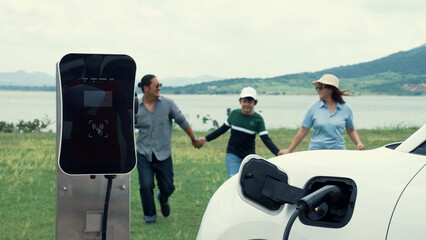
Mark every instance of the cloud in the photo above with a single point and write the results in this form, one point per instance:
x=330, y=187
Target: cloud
x=222, y=38
x=393, y=6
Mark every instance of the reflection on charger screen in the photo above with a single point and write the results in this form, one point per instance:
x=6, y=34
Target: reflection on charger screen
x=97, y=98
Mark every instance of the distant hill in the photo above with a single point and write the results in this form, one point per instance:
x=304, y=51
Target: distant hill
x=402, y=73
x=410, y=62
x=22, y=78
x=183, y=81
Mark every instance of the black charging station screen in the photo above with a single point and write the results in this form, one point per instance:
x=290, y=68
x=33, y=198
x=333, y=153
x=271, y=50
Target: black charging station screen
x=97, y=98
x=97, y=110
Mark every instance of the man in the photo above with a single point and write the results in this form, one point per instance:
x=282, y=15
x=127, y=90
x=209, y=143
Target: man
x=154, y=120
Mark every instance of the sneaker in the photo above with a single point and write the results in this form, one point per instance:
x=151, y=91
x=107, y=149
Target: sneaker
x=165, y=208
x=149, y=222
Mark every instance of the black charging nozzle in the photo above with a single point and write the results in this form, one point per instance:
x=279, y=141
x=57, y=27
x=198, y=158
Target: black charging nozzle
x=308, y=204
x=313, y=200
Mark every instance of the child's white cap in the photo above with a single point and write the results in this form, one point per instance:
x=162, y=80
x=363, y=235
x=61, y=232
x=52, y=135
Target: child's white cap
x=248, y=92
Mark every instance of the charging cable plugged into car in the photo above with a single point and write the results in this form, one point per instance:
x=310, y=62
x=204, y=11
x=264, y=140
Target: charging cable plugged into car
x=310, y=204
x=325, y=201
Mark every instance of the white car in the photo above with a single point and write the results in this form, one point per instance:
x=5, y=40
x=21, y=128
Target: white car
x=339, y=194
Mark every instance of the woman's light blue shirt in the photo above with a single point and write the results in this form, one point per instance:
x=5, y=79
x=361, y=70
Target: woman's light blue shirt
x=328, y=128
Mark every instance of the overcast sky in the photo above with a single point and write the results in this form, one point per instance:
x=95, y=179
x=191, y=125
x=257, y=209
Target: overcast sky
x=189, y=38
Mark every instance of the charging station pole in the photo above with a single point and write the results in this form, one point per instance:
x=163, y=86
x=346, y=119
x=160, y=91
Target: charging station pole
x=95, y=141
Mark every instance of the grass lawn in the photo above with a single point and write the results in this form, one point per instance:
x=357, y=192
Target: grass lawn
x=28, y=182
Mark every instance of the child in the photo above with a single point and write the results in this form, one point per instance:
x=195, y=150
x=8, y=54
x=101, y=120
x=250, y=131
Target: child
x=245, y=123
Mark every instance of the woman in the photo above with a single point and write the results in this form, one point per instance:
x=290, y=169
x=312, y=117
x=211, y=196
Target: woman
x=329, y=117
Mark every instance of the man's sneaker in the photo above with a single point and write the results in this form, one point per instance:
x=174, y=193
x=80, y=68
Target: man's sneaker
x=165, y=208
x=149, y=222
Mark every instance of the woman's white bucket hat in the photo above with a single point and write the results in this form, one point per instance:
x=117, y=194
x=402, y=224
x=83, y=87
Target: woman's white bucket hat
x=327, y=79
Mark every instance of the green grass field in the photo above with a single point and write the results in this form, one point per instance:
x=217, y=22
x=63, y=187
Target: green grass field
x=28, y=184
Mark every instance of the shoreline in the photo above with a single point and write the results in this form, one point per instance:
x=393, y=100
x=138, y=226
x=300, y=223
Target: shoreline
x=187, y=94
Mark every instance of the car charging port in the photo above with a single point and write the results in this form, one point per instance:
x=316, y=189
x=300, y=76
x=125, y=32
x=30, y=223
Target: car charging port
x=329, y=202
x=335, y=211
x=310, y=203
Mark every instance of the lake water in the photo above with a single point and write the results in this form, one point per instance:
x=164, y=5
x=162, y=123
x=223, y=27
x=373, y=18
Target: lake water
x=277, y=111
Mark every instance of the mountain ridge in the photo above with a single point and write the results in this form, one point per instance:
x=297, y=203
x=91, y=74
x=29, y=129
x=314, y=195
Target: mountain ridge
x=404, y=62
x=400, y=73
x=183, y=81
x=20, y=78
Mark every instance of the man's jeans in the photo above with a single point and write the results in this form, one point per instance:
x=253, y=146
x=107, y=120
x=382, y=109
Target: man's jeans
x=163, y=171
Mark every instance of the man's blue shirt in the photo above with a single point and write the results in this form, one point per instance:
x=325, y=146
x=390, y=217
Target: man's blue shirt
x=328, y=128
x=155, y=128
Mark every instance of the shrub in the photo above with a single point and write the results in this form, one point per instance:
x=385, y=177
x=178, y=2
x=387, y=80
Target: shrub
x=25, y=126
x=6, y=127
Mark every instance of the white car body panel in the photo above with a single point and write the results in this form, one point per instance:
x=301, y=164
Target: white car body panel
x=381, y=175
x=408, y=221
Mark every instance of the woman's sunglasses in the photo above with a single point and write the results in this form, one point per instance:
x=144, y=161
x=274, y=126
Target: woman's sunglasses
x=319, y=87
x=157, y=85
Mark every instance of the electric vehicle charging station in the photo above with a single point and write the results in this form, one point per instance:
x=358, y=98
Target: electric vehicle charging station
x=95, y=144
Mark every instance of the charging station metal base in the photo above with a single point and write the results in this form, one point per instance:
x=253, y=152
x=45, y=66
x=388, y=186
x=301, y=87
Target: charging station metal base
x=80, y=204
